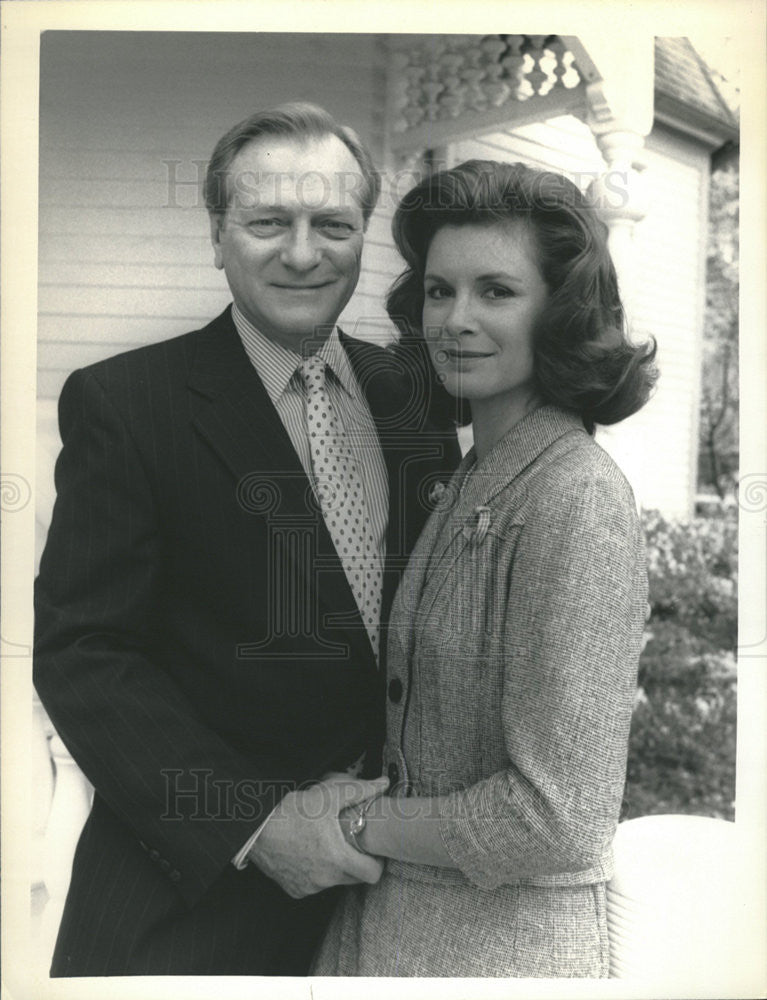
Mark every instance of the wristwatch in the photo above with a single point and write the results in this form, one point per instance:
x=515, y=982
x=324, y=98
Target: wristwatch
x=358, y=824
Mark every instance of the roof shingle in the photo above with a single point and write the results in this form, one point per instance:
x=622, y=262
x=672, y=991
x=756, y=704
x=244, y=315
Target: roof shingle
x=681, y=74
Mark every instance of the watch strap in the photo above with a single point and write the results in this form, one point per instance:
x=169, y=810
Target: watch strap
x=359, y=822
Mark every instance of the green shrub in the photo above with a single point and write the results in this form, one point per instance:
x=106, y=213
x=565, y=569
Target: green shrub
x=682, y=747
x=692, y=571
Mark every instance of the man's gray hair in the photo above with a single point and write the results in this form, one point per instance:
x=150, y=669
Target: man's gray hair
x=300, y=120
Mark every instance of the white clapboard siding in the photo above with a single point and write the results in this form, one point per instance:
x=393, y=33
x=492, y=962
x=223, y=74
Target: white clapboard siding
x=189, y=277
x=149, y=222
x=670, y=252
x=118, y=250
x=127, y=123
x=365, y=316
x=564, y=144
x=658, y=446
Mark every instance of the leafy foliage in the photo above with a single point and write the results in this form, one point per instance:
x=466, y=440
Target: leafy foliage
x=682, y=747
x=692, y=572
x=718, y=433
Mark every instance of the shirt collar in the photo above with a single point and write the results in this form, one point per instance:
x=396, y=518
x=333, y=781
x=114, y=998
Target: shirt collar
x=276, y=364
x=337, y=360
x=525, y=442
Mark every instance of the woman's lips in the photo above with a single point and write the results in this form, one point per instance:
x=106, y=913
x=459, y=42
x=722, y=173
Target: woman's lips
x=448, y=354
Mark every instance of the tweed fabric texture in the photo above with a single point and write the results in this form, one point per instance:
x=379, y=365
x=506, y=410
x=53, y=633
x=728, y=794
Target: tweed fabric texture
x=518, y=656
x=518, y=931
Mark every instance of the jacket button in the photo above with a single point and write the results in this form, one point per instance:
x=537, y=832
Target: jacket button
x=393, y=774
x=395, y=689
x=175, y=875
x=154, y=855
x=165, y=865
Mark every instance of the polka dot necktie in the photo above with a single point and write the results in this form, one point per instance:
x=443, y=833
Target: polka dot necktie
x=341, y=494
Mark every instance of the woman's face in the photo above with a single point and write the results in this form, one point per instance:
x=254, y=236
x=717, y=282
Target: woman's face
x=483, y=294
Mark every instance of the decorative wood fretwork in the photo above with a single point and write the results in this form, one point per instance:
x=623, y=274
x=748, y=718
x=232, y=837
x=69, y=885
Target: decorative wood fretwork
x=443, y=87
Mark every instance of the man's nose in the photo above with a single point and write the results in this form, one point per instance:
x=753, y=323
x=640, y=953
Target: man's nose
x=299, y=250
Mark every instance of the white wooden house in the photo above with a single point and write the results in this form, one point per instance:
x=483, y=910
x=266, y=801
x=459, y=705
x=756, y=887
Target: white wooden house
x=128, y=120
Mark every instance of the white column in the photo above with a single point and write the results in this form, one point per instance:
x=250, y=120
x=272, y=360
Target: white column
x=621, y=198
x=620, y=194
x=70, y=806
x=620, y=91
x=620, y=77
x=42, y=778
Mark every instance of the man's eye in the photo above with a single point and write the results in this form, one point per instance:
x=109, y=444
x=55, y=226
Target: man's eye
x=265, y=225
x=338, y=230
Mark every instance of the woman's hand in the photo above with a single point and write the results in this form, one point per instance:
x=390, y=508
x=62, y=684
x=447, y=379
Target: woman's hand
x=301, y=846
x=406, y=829
x=400, y=827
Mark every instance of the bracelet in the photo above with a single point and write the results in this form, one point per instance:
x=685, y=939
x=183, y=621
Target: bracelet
x=359, y=823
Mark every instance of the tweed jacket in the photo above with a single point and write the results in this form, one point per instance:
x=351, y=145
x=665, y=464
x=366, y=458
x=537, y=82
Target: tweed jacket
x=515, y=637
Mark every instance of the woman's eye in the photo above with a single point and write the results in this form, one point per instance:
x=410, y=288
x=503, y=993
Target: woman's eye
x=437, y=292
x=498, y=292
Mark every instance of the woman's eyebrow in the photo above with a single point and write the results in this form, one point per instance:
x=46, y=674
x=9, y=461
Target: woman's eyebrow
x=499, y=276
x=489, y=276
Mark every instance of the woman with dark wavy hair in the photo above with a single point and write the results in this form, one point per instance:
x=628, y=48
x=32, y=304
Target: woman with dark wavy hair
x=515, y=634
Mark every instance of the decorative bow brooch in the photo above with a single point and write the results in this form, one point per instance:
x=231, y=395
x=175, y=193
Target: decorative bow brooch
x=441, y=497
x=482, y=525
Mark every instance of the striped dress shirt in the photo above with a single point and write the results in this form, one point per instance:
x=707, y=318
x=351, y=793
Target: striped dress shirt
x=277, y=367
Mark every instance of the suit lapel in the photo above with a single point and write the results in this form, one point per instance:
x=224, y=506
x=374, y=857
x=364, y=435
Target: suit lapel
x=540, y=437
x=419, y=579
x=239, y=422
x=445, y=538
x=382, y=395
x=238, y=419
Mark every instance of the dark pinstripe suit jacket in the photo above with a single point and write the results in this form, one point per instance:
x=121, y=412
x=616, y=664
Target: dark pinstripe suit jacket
x=198, y=648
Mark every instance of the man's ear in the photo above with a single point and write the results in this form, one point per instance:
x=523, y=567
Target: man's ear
x=216, y=225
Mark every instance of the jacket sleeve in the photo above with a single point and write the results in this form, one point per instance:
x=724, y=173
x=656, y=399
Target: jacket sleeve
x=575, y=616
x=130, y=729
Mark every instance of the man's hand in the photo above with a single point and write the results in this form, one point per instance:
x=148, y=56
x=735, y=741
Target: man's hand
x=302, y=847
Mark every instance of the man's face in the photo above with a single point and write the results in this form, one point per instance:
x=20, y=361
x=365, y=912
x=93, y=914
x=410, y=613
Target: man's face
x=291, y=240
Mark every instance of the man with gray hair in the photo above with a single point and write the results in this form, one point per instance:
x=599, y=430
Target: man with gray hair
x=234, y=508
